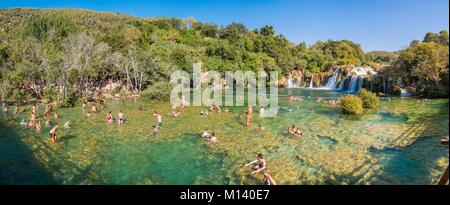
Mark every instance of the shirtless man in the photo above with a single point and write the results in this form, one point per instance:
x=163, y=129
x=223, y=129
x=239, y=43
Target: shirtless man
x=53, y=133
x=158, y=118
x=261, y=164
x=212, y=138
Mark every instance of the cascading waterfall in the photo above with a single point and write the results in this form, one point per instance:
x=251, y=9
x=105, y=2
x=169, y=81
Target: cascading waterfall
x=360, y=82
x=342, y=83
x=353, y=83
x=293, y=83
x=311, y=82
x=331, y=83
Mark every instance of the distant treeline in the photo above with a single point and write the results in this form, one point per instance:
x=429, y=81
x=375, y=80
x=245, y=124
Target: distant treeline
x=62, y=54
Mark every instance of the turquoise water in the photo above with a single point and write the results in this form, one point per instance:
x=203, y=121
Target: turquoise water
x=399, y=143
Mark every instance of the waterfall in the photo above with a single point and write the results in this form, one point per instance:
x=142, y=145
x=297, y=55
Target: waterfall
x=360, y=82
x=342, y=83
x=290, y=84
x=331, y=83
x=293, y=83
x=311, y=82
x=353, y=83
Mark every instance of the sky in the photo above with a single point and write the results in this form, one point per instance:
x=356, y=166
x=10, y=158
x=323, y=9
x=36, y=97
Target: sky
x=375, y=24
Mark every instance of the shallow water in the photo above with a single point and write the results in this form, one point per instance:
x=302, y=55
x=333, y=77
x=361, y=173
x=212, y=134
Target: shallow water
x=399, y=143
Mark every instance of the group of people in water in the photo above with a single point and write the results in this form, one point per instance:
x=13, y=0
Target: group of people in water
x=35, y=122
x=155, y=130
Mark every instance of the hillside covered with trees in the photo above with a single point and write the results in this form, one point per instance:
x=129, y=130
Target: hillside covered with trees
x=68, y=54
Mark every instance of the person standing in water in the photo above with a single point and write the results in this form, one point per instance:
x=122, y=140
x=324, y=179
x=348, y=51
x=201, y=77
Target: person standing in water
x=158, y=118
x=38, y=126
x=261, y=163
x=247, y=119
x=109, y=117
x=53, y=133
x=121, y=118
x=94, y=109
x=16, y=110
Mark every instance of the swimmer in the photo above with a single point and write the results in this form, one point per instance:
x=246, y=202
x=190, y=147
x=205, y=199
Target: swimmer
x=310, y=110
x=53, y=133
x=212, y=138
x=88, y=114
x=261, y=164
x=56, y=116
x=155, y=130
x=121, y=118
x=268, y=180
x=67, y=125
x=48, y=122
x=158, y=118
x=291, y=130
x=109, y=117
x=211, y=108
x=205, y=134
x=5, y=108
x=289, y=109
x=298, y=132
x=175, y=113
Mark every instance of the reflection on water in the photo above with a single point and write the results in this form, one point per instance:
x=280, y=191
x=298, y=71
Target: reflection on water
x=395, y=144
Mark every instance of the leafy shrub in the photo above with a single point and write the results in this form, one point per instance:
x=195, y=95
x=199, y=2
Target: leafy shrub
x=50, y=94
x=369, y=99
x=352, y=104
x=70, y=100
x=159, y=91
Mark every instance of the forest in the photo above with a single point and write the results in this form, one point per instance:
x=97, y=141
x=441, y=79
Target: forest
x=67, y=55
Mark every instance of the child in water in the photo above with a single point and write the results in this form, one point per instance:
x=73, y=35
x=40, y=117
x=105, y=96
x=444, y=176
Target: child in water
x=109, y=117
x=121, y=118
